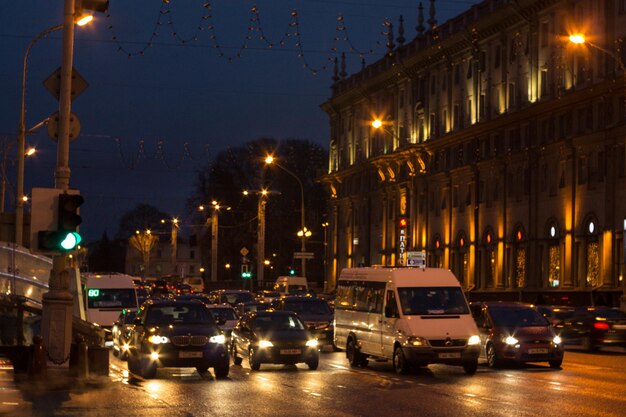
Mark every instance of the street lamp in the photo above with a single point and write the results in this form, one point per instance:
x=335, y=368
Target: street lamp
x=173, y=241
x=21, y=136
x=269, y=160
x=579, y=39
x=214, y=234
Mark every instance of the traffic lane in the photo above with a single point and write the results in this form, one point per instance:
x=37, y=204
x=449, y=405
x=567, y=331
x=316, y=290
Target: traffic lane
x=438, y=390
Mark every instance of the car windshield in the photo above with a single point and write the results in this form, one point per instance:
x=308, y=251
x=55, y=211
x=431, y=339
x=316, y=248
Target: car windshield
x=277, y=322
x=517, y=317
x=256, y=307
x=236, y=298
x=313, y=307
x=425, y=301
x=225, y=314
x=170, y=314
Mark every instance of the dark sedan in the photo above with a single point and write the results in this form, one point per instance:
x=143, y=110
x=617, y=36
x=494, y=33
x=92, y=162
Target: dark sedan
x=515, y=332
x=594, y=327
x=171, y=333
x=273, y=337
x=314, y=312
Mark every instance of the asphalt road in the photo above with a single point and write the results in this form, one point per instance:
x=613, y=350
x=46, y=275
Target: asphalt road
x=587, y=385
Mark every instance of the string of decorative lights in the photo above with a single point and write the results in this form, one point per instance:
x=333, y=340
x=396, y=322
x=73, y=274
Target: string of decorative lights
x=293, y=31
x=131, y=160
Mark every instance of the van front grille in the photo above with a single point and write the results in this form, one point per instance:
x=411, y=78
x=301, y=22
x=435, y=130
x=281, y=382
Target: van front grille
x=447, y=342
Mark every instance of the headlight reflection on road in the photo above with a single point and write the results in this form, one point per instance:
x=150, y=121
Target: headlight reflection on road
x=154, y=388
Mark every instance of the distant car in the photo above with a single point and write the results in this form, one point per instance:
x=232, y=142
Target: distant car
x=267, y=295
x=232, y=297
x=243, y=308
x=515, y=332
x=176, y=333
x=159, y=288
x=120, y=333
x=314, y=312
x=595, y=327
x=182, y=289
x=278, y=337
x=226, y=317
x=556, y=315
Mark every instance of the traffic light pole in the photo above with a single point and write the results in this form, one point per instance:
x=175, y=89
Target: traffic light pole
x=58, y=301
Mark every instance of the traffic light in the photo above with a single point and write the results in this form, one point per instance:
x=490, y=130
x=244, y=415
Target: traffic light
x=292, y=271
x=66, y=236
x=245, y=272
x=403, y=222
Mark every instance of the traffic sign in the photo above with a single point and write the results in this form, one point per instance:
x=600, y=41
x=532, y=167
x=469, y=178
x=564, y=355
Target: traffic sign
x=53, y=84
x=303, y=255
x=244, y=251
x=416, y=258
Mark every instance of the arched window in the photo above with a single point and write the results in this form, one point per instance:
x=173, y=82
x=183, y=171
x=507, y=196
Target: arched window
x=554, y=254
x=592, y=252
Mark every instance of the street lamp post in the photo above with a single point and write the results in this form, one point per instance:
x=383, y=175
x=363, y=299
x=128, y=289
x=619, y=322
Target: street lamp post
x=21, y=138
x=269, y=160
x=214, y=235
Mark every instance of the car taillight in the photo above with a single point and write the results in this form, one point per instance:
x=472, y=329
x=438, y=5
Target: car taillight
x=601, y=325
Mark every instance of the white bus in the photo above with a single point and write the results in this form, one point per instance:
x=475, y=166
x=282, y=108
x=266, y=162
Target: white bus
x=411, y=316
x=107, y=294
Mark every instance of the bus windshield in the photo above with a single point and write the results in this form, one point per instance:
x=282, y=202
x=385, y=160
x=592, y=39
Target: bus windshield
x=111, y=297
x=424, y=301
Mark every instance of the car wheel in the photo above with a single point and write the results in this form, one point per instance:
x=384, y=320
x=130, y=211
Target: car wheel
x=556, y=364
x=148, y=368
x=133, y=365
x=255, y=364
x=355, y=357
x=492, y=358
x=233, y=352
x=313, y=363
x=116, y=352
x=470, y=367
x=400, y=364
x=221, y=370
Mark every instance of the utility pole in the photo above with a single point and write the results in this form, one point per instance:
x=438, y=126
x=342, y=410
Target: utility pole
x=214, y=231
x=261, y=240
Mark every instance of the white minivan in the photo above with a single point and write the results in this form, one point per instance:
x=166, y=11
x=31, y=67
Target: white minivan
x=286, y=285
x=411, y=316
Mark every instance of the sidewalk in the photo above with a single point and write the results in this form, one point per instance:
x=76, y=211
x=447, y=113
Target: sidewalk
x=61, y=394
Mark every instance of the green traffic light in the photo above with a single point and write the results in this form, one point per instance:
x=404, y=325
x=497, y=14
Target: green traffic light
x=70, y=241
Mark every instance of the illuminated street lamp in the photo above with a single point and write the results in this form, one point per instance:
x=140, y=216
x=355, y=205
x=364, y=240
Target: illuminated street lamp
x=579, y=39
x=214, y=234
x=269, y=160
x=21, y=135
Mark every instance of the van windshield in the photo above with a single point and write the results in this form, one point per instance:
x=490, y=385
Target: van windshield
x=432, y=301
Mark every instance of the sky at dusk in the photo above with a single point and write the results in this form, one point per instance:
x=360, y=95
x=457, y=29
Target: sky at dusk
x=165, y=97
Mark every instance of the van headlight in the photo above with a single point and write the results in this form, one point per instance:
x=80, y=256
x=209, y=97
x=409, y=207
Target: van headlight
x=265, y=344
x=416, y=341
x=219, y=338
x=158, y=340
x=311, y=342
x=510, y=340
x=473, y=341
x=557, y=340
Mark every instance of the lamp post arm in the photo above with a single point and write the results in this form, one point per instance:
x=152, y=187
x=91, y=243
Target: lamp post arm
x=609, y=53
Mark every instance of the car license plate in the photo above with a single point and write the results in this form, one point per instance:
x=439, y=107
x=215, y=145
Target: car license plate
x=537, y=351
x=452, y=355
x=290, y=351
x=188, y=354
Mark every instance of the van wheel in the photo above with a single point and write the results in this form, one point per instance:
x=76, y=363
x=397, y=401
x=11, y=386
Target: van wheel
x=400, y=364
x=492, y=358
x=355, y=358
x=148, y=368
x=556, y=364
x=233, y=351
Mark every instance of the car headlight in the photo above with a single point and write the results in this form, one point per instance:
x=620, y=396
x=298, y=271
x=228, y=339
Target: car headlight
x=416, y=341
x=311, y=342
x=220, y=338
x=157, y=340
x=265, y=344
x=510, y=340
x=557, y=340
x=473, y=340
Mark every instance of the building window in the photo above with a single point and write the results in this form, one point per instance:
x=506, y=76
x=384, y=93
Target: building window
x=593, y=264
x=554, y=270
x=456, y=117
x=455, y=196
x=545, y=34
x=512, y=95
x=192, y=254
x=482, y=106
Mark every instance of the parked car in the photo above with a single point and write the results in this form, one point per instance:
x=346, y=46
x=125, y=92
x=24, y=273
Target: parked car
x=314, y=312
x=595, y=327
x=273, y=337
x=515, y=333
x=176, y=333
x=120, y=333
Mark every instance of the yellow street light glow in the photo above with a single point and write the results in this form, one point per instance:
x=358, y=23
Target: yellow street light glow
x=245, y=192
x=83, y=20
x=269, y=159
x=264, y=192
x=175, y=220
x=162, y=221
x=30, y=151
x=376, y=124
x=201, y=269
x=577, y=38
x=227, y=266
x=266, y=262
x=214, y=202
x=24, y=198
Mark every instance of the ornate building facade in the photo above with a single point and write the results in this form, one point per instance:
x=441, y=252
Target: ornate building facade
x=502, y=147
